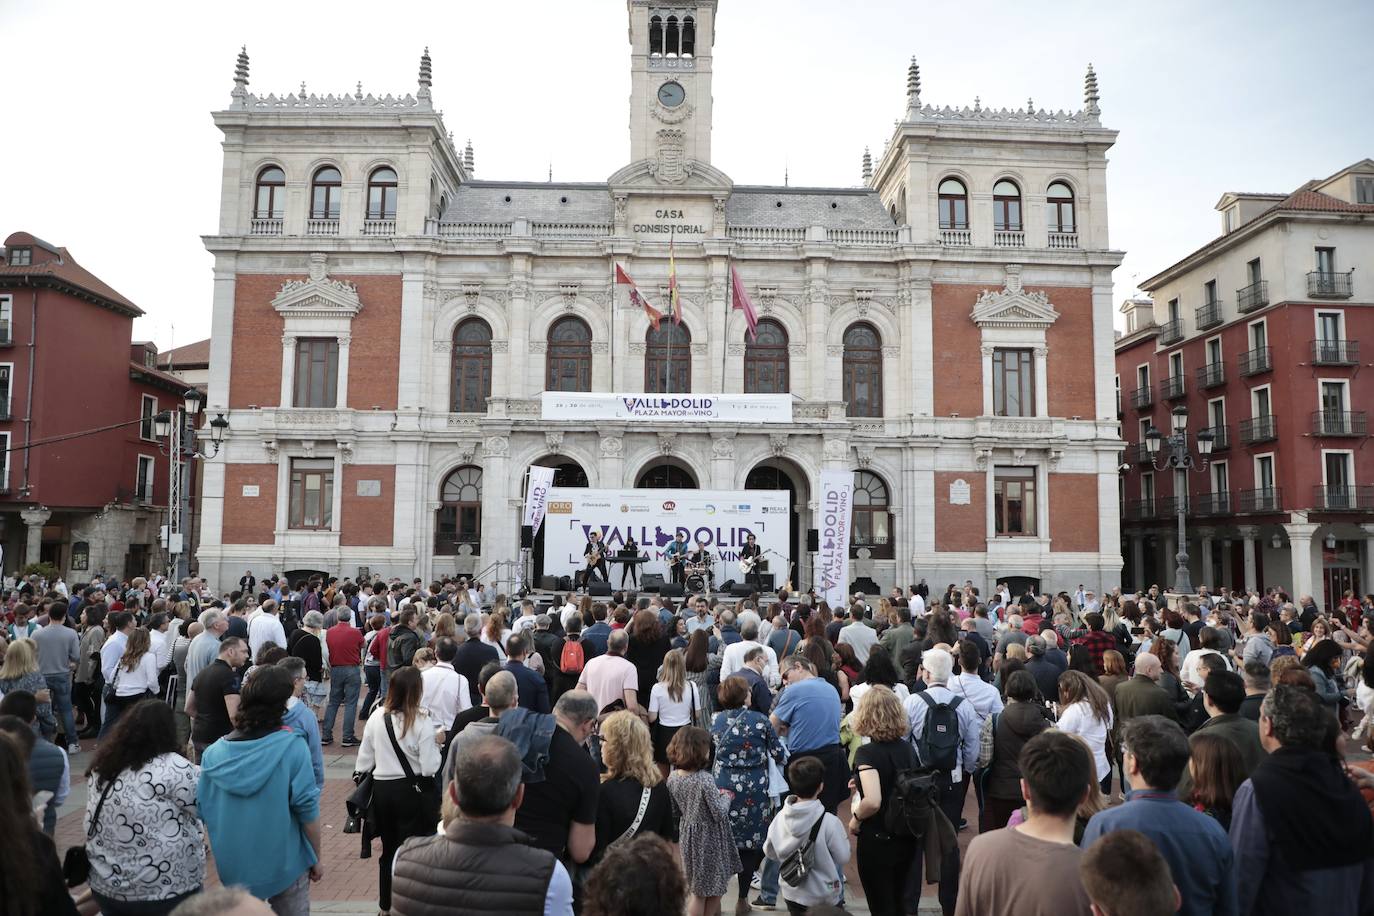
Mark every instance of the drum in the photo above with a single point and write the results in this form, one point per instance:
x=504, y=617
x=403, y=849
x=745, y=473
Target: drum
x=696, y=582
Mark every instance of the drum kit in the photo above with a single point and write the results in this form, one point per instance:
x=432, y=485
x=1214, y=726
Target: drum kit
x=697, y=576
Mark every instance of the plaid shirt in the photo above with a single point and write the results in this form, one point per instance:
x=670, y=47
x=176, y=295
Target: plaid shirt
x=1097, y=642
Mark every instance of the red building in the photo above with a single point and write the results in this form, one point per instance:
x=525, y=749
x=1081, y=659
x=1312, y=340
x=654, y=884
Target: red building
x=1264, y=335
x=87, y=502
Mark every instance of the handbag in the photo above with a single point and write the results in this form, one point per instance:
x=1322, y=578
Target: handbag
x=797, y=864
x=76, y=864
x=987, y=735
x=425, y=786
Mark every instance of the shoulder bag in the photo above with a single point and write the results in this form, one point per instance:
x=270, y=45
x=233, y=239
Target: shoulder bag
x=76, y=865
x=634, y=825
x=425, y=786
x=797, y=865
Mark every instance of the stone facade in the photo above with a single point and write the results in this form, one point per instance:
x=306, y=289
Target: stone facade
x=836, y=270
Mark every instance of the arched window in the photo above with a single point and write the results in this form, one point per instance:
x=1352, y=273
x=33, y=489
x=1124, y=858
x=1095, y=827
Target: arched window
x=471, y=366
x=569, y=360
x=569, y=474
x=326, y=191
x=271, y=196
x=671, y=38
x=459, y=519
x=872, y=517
x=689, y=36
x=1006, y=206
x=953, y=204
x=863, y=371
x=1059, y=205
x=381, y=194
x=656, y=36
x=668, y=359
x=765, y=360
x=666, y=477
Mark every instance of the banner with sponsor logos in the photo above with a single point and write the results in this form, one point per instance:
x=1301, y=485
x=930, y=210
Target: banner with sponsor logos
x=536, y=495
x=678, y=408
x=833, y=522
x=720, y=519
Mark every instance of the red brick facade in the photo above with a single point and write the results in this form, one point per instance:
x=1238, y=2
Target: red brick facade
x=1073, y=513
x=961, y=528
x=249, y=519
x=367, y=520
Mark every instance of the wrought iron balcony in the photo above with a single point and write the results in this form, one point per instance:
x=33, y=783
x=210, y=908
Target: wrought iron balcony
x=1254, y=296
x=1343, y=498
x=1218, y=503
x=1171, y=332
x=1172, y=388
x=1221, y=437
x=1339, y=423
x=1208, y=316
x=1212, y=375
x=1323, y=284
x=1259, y=429
x=1140, y=453
x=1141, y=509
x=1264, y=499
x=1143, y=396
x=1253, y=362
x=1168, y=506
x=1329, y=352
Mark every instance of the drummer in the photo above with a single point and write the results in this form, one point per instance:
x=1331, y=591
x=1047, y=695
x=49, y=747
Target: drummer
x=700, y=560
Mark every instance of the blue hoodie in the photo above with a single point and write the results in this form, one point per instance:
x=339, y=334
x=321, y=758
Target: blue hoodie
x=301, y=720
x=255, y=797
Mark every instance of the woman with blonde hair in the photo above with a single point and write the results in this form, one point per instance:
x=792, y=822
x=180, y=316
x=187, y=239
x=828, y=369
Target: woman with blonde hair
x=445, y=627
x=135, y=676
x=674, y=702
x=495, y=633
x=633, y=799
x=883, y=860
x=20, y=671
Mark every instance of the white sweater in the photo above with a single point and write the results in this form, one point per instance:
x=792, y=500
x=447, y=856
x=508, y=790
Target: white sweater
x=376, y=755
x=789, y=830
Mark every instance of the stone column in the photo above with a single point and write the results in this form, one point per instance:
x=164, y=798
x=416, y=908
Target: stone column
x=34, y=519
x=1205, y=548
x=723, y=462
x=522, y=355
x=341, y=391
x=1249, y=534
x=1138, y=561
x=288, y=370
x=611, y=469
x=1300, y=556
x=1170, y=560
x=496, y=516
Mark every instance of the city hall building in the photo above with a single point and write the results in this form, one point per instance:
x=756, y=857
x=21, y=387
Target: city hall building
x=944, y=330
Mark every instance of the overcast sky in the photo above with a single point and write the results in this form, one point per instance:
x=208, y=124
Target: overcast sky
x=110, y=150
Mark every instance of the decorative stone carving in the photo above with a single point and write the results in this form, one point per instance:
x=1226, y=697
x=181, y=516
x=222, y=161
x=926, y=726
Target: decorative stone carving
x=500, y=346
x=308, y=448
x=987, y=349
x=496, y=446
x=1056, y=455
x=519, y=288
x=600, y=348
x=611, y=446
x=539, y=346
x=864, y=455
x=834, y=350
x=735, y=349
x=671, y=166
x=569, y=293
x=892, y=352
x=765, y=297
x=672, y=115
x=796, y=349
x=836, y=449
x=723, y=447
x=442, y=345
x=699, y=349
x=345, y=447
x=472, y=291
x=553, y=441
x=318, y=296
x=638, y=348
x=1018, y=456
x=777, y=444
x=288, y=341
x=622, y=213
x=466, y=450
x=1013, y=307
x=270, y=451
x=666, y=442
x=432, y=291
x=981, y=458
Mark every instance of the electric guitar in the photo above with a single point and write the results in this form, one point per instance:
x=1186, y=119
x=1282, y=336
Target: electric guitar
x=594, y=558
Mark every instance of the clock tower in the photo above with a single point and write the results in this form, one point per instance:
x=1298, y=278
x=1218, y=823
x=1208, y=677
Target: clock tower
x=670, y=84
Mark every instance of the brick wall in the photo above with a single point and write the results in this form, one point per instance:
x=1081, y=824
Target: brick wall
x=956, y=353
x=367, y=520
x=249, y=519
x=1073, y=513
x=961, y=528
x=1070, y=341
x=376, y=346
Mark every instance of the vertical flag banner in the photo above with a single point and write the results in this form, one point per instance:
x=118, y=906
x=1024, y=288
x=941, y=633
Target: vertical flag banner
x=834, y=520
x=743, y=304
x=636, y=299
x=537, y=495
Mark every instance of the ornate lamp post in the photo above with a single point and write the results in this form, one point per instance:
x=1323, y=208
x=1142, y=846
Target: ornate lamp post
x=180, y=432
x=1180, y=459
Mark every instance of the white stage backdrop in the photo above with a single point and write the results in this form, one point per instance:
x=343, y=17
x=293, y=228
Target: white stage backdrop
x=719, y=518
x=833, y=524
x=682, y=408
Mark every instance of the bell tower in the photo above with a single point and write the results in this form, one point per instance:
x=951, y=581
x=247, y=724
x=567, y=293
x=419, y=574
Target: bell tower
x=670, y=84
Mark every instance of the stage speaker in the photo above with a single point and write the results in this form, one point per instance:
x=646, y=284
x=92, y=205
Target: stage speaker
x=598, y=589
x=813, y=540
x=548, y=583
x=726, y=586
x=767, y=580
x=650, y=582
x=741, y=590
x=671, y=590
x=527, y=536
x=565, y=583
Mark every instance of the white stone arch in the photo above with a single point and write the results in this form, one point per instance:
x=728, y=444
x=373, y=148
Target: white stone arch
x=345, y=173
x=457, y=308
x=440, y=470
x=643, y=456
x=878, y=316
x=451, y=314
x=1015, y=178
x=553, y=307
x=256, y=169
x=784, y=313
x=525, y=454
x=378, y=162
x=1075, y=185
x=761, y=453
x=964, y=176
x=693, y=315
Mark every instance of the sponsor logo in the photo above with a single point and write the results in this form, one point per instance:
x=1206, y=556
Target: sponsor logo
x=776, y=510
x=710, y=509
x=559, y=507
x=669, y=407
x=669, y=506
x=742, y=507
x=624, y=508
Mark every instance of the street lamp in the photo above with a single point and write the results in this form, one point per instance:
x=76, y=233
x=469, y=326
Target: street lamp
x=179, y=430
x=1180, y=459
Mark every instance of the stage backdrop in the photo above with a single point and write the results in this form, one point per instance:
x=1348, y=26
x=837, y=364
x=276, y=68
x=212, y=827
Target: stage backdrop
x=719, y=518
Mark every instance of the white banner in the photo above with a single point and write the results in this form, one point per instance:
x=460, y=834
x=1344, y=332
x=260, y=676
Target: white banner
x=721, y=520
x=536, y=495
x=834, y=518
x=672, y=408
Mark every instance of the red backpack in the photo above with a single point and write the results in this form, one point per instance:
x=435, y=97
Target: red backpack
x=571, y=660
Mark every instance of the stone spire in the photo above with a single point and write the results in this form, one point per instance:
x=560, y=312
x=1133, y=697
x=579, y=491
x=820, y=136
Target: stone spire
x=467, y=158
x=1091, y=110
x=913, y=88
x=868, y=166
x=240, y=93
x=426, y=80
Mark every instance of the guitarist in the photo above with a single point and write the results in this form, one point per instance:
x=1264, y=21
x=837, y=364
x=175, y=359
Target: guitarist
x=595, y=555
x=752, y=554
x=675, y=554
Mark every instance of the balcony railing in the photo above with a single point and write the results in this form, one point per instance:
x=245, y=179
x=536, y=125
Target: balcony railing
x=321, y=227
x=1143, y=396
x=956, y=237
x=380, y=227
x=1264, y=499
x=1254, y=296
x=1259, y=429
x=1172, y=388
x=1342, y=498
x=1208, y=316
x=1221, y=437
x=1008, y=238
x=1140, y=453
x=1171, y=332
x=1253, y=362
x=1339, y=423
x=1063, y=240
x=265, y=226
x=1218, y=503
x=1141, y=509
x=143, y=495
x=1212, y=375
x=1168, y=506
x=6, y=336
x=1328, y=352
x=1323, y=284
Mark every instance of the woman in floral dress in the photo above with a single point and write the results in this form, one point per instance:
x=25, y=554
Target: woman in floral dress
x=708, y=849
x=745, y=742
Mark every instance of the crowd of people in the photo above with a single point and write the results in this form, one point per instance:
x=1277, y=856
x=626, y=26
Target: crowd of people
x=1122, y=754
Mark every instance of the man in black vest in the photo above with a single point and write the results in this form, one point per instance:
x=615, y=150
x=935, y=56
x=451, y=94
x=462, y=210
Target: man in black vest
x=480, y=856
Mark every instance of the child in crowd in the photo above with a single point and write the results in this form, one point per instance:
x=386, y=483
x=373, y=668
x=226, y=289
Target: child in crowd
x=804, y=822
x=709, y=856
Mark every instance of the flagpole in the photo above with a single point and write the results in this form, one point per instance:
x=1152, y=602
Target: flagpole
x=668, y=351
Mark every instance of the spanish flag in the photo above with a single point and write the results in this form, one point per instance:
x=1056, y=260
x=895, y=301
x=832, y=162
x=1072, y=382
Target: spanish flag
x=674, y=305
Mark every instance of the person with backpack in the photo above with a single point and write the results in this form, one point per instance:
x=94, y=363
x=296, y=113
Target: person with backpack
x=809, y=841
x=887, y=840
x=808, y=713
x=946, y=735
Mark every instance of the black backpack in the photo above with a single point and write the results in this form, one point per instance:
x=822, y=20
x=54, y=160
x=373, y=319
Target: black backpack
x=915, y=795
x=938, y=746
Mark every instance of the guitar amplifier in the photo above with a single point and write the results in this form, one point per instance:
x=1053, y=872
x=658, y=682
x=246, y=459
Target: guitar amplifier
x=651, y=582
x=599, y=589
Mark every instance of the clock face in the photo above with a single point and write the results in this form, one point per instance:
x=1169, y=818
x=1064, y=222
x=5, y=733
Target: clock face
x=671, y=95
